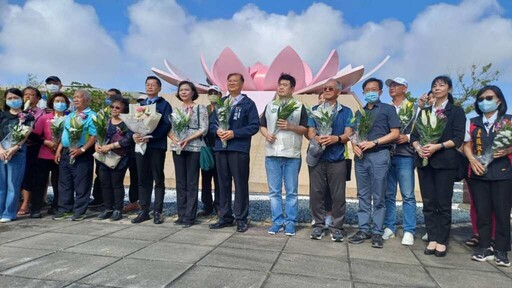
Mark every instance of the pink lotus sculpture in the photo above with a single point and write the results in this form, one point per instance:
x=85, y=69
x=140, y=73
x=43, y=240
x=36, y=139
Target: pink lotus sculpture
x=263, y=79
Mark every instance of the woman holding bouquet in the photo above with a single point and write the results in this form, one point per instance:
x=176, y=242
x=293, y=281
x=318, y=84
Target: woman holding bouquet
x=186, y=146
x=120, y=142
x=438, y=175
x=12, y=153
x=31, y=97
x=45, y=128
x=489, y=183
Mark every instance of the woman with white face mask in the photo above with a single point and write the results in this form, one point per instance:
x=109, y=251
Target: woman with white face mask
x=490, y=184
x=12, y=165
x=59, y=103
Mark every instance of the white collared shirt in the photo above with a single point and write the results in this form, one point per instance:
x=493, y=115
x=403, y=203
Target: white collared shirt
x=443, y=106
x=488, y=124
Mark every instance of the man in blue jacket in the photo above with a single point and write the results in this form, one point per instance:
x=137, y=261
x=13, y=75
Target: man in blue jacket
x=233, y=160
x=150, y=166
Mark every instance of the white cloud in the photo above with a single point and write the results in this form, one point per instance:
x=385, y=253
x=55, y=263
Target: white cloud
x=57, y=37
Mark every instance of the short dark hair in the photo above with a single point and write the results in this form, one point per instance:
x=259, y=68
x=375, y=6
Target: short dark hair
x=38, y=93
x=49, y=104
x=195, y=94
x=52, y=79
x=287, y=77
x=14, y=91
x=236, y=73
x=381, y=85
x=116, y=91
x=158, y=82
x=502, y=109
x=122, y=100
x=446, y=80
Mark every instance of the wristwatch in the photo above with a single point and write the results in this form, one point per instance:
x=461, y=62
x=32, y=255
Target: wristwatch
x=82, y=149
x=376, y=142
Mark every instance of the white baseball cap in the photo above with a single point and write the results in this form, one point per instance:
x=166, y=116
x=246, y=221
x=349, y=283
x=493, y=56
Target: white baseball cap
x=398, y=80
x=215, y=88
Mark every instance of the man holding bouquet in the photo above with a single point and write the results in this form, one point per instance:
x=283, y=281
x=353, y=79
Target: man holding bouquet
x=283, y=123
x=75, y=160
x=328, y=169
x=232, y=148
x=372, y=163
x=401, y=171
x=150, y=166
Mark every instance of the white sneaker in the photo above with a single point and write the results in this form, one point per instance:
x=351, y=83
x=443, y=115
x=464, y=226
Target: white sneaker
x=425, y=237
x=5, y=220
x=388, y=234
x=408, y=239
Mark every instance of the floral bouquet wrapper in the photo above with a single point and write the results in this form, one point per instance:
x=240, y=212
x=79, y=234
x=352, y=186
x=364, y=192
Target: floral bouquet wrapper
x=141, y=120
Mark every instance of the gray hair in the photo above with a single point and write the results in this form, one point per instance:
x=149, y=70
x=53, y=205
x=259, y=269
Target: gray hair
x=338, y=83
x=85, y=93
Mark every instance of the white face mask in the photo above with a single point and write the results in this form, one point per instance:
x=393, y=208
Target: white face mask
x=52, y=88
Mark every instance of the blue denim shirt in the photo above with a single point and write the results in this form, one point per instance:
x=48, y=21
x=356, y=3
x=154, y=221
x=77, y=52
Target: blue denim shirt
x=89, y=128
x=335, y=152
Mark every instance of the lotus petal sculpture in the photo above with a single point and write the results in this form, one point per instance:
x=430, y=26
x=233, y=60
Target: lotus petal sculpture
x=263, y=79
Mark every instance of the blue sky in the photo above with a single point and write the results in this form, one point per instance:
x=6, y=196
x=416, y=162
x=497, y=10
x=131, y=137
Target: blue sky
x=116, y=42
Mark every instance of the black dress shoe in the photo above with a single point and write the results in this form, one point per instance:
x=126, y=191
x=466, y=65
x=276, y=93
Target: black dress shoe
x=429, y=251
x=220, y=225
x=105, y=215
x=187, y=225
x=116, y=215
x=157, y=218
x=204, y=213
x=141, y=217
x=178, y=221
x=241, y=227
x=440, y=253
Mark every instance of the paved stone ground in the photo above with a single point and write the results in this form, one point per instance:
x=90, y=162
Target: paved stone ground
x=93, y=253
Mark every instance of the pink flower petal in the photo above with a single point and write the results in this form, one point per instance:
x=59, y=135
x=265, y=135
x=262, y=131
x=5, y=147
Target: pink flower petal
x=259, y=76
x=167, y=77
x=308, y=73
x=348, y=77
x=209, y=74
x=287, y=61
x=329, y=68
x=228, y=63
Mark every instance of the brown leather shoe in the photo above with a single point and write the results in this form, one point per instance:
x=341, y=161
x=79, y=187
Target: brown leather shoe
x=131, y=207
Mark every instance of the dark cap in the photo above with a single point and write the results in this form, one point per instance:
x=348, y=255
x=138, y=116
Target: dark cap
x=52, y=79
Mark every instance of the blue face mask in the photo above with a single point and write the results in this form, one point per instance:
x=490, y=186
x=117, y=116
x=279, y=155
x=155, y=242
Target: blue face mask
x=371, y=97
x=14, y=104
x=487, y=106
x=108, y=102
x=60, y=106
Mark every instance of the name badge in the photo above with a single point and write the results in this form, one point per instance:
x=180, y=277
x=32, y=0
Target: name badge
x=237, y=112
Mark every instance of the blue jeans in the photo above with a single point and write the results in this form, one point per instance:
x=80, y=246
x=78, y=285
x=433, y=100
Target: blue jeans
x=371, y=176
x=401, y=172
x=11, y=176
x=279, y=169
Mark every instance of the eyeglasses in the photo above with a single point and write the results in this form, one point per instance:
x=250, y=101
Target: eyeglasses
x=329, y=88
x=116, y=107
x=213, y=93
x=488, y=98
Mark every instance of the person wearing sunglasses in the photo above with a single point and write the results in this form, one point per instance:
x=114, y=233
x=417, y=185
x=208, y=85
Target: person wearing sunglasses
x=327, y=166
x=120, y=142
x=436, y=179
x=210, y=204
x=372, y=164
x=490, y=185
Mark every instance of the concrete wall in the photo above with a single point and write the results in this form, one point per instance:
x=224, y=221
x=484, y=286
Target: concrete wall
x=258, y=179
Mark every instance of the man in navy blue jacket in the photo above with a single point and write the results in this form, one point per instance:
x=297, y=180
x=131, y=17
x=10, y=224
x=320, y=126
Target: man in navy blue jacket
x=233, y=161
x=150, y=166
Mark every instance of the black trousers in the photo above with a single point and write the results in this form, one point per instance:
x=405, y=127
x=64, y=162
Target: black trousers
x=75, y=181
x=112, y=186
x=328, y=178
x=44, y=167
x=97, y=194
x=233, y=166
x=186, y=168
x=133, y=192
x=436, y=187
x=29, y=181
x=210, y=202
x=489, y=197
x=150, y=169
